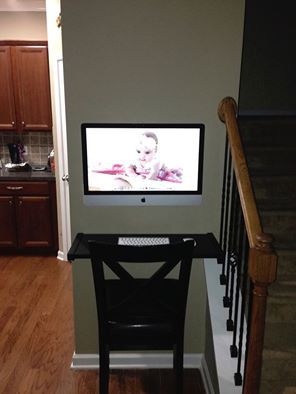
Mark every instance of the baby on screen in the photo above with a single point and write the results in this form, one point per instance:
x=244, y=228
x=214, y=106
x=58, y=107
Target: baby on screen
x=147, y=163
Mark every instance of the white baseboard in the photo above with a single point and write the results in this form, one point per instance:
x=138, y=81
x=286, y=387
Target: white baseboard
x=135, y=360
x=60, y=255
x=145, y=361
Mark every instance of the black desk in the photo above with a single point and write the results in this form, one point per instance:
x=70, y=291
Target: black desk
x=206, y=244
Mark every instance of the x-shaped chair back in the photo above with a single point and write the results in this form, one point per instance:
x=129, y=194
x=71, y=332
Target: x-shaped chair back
x=112, y=256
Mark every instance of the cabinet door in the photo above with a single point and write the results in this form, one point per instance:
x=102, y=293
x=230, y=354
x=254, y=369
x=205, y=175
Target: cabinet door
x=34, y=222
x=32, y=89
x=7, y=222
x=7, y=103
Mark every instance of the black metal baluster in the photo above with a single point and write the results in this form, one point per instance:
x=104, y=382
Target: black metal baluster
x=238, y=376
x=249, y=314
x=241, y=249
x=225, y=240
x=230, y=245
x=235, y=251
x=222, y=229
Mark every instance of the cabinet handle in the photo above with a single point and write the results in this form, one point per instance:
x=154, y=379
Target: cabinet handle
x=10, y=202
x=14, y=187
x=12, y=123
x=65, y=178
x=23, y=123
x=20, y=202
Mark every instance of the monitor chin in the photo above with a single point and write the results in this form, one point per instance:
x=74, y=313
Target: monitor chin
x=142, y=200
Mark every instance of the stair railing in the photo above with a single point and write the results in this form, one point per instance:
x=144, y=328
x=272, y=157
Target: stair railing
x=250, y=262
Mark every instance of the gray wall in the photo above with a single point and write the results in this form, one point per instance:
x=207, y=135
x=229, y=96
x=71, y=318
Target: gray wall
x=268, y=76
x=148, y=61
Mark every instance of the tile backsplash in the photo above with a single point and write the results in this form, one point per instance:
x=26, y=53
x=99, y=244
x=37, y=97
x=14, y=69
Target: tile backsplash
x=38, y=146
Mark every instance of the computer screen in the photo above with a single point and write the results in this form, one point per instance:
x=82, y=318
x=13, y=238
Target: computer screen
x=142, y=164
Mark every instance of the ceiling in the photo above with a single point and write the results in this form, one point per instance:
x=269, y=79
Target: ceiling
x=22, y=5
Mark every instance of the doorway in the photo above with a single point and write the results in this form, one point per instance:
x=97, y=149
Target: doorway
x=55, y=52
x=35, y=20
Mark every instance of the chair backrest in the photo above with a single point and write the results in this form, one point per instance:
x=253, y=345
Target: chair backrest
x=152, y=287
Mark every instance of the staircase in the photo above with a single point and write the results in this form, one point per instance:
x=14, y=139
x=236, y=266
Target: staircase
x=270, y=147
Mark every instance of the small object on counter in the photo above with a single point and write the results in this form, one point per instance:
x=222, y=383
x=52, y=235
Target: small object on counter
x=51, y=161
x=14, y=153
x=18, y=167
x=21, y=151
x=39, y=168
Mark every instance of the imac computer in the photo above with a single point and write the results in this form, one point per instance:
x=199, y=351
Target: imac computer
x=142, y=164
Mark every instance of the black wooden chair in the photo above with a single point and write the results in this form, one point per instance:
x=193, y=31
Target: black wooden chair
x=141, y=313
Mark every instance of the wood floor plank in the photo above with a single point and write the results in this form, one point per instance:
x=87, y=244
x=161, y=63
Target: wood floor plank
x=37, y=337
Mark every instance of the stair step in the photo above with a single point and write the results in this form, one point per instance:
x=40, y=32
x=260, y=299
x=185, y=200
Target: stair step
x=271, y=160
x=281, y=309
x=286, y=264
x=275, y=340
x=279, y=366
x=275, y=192
x=282, y=225
x=278, y=387
x=285, y=288
x=274, y=131
x=281, y=303
x=290, y=390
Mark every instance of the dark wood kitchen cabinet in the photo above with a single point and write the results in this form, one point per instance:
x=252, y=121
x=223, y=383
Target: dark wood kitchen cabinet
x=28, y=216
x=7, y=103
x=8, y=236
x=25, y=103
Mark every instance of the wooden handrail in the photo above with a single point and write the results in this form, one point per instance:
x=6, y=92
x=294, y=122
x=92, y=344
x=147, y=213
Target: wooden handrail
x=227, y=111
x=262, y=264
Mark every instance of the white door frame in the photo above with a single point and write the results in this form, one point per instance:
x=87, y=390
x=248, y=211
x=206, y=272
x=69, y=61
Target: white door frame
x=62, y=157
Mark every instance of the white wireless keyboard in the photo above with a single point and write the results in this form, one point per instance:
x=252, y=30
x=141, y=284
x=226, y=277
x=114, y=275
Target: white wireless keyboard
x=143, y=241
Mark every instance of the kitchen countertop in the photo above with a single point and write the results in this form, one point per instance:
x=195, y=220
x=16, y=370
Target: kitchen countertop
x=26, y=175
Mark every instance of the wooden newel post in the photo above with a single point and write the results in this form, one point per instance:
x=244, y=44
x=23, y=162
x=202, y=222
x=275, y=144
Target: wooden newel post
x=262, y=271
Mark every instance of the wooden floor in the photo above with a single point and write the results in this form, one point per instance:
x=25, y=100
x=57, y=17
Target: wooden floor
x=37, y=338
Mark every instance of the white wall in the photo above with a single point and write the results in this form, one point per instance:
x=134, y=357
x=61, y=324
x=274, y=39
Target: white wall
x=148, y=61
x=23, y=26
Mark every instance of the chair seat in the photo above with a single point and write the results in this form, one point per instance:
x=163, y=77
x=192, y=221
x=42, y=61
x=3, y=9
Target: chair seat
x=153, y=335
